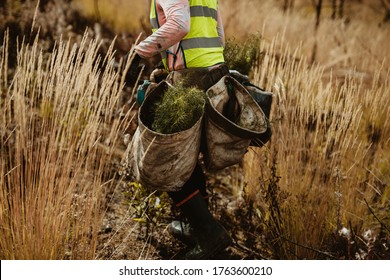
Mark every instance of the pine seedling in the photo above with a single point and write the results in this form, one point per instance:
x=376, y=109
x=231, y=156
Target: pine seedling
x=179, y=109
x=242, y=56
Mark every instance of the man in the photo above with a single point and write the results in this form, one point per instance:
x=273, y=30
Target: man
x=190, y=37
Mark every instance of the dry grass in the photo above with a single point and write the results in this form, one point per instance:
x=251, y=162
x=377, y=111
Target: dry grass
x=331, y=147
x=327, y=165
x=331, y=135
x=341, y=43
x=56, y=150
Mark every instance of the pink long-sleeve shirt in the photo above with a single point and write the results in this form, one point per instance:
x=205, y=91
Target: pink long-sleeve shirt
x=174, y=20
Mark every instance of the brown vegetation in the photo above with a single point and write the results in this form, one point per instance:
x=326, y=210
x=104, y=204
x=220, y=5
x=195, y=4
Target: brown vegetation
x=320, y=189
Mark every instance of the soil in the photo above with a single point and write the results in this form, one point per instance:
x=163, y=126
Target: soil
x=123, y=238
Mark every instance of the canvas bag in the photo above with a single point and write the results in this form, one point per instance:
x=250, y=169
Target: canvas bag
x=264, y=99
x=162, y=162
x=227, y=140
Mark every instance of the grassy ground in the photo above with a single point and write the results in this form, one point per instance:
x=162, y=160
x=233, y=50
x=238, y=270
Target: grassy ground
x=319, y=190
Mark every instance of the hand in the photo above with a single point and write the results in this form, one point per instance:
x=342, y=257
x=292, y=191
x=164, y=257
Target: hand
x=158, y=75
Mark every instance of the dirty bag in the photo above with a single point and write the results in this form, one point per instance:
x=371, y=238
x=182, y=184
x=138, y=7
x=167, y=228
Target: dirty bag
x=162, y=162
x=233, y=119
x=264, y=100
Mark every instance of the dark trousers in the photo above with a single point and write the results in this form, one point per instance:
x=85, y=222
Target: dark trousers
x=196, y=183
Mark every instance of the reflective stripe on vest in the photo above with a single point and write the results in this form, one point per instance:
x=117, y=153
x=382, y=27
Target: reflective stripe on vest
x=201, y=47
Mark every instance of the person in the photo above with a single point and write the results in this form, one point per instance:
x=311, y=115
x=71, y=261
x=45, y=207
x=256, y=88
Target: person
x=190, y=37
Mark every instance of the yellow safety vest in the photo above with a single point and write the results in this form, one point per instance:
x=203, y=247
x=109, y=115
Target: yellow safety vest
x=201, y=47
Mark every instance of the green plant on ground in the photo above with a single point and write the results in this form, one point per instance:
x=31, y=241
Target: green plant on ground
x=150, y=208
x=242, y=56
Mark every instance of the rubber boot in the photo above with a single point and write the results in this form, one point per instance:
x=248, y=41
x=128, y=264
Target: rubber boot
x=183, y=231
x=210, y=237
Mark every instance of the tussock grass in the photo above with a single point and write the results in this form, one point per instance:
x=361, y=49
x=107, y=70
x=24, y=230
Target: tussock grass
x=329, y=140
x=58, y=134
x=326, y=167
x=340, y=43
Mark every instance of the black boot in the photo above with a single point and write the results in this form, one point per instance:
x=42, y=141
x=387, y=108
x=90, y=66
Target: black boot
x=182, y=229
x=209, y=236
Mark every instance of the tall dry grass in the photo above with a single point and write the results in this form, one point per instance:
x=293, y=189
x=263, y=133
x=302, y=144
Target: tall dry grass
x=58, y=136
x=340, y=44
x=331, y=148
x=327, y=165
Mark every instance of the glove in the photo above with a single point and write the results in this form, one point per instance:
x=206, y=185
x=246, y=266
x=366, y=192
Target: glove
x=135, y=68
